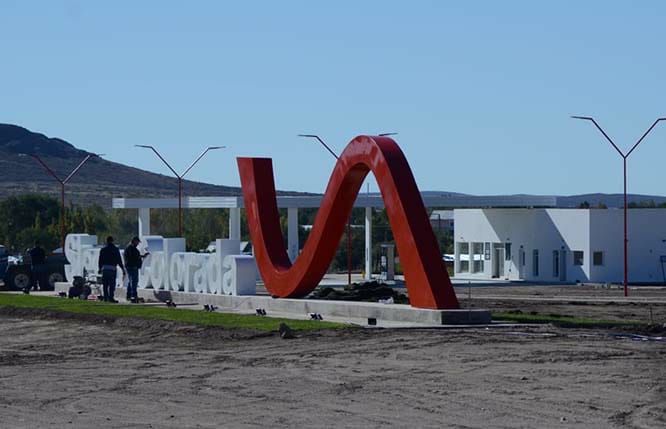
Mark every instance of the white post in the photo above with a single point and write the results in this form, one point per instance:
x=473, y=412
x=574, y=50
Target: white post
x=144, y=222
x=470, y=268
x=292, y=233
x=368, y=243
x=234, y=223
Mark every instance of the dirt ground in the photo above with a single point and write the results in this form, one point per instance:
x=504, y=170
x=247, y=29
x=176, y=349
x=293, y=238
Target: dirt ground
x=103, y=373
x=644, y=304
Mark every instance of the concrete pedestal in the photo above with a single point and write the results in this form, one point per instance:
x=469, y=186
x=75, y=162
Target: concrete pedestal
x=328, y=309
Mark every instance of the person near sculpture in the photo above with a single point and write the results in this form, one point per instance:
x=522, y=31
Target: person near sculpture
x=133, y=261
x=109, y=259
x=38, y=267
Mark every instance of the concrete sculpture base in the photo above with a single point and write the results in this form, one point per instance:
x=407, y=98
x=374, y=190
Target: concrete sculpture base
x=328, y=309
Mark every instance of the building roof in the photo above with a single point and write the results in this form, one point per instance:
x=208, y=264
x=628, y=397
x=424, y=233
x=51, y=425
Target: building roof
x=441, y=215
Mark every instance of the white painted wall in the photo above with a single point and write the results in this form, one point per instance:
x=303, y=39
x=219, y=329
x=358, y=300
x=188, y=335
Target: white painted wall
x=646, y=230
x=567, y=230
x=563, y=230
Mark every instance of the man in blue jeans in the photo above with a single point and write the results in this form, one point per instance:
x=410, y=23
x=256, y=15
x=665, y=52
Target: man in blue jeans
x=133, y=261
x=109, y=259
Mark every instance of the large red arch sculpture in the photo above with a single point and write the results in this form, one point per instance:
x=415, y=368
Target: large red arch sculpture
x=426, y=277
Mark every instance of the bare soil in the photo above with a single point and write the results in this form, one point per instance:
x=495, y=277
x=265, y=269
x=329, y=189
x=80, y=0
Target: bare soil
x=77, y=372
x=644, y=304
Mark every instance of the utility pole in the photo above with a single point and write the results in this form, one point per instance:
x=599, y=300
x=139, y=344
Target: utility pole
x=349, y=243
x=180, y=178
x=624, y=164
x=62, y=183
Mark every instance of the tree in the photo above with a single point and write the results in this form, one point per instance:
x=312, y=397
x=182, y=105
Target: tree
x=26, y=212
x=95, y=219
x=645, y=205
x=201, y=226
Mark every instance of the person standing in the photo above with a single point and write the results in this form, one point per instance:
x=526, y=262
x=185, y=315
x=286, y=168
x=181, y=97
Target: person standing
x=38, y=267
x=133, y=262
x=109, y=259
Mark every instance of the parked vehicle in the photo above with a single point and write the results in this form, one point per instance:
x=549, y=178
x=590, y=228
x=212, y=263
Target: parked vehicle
x=4, y=258
x=16, y=272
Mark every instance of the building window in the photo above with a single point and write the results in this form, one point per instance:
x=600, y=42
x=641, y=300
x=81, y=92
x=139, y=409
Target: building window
x=507, y=251
x=578, y=256
x=535, y=262
x=556, y=263
x=598, y=258
x=477, y=257
x=463, y=255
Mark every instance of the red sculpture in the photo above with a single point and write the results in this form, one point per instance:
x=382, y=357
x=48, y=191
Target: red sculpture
x=426, y=277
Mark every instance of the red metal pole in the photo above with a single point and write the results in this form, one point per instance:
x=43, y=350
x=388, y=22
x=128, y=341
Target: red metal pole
x=624, y=160
x=180, y=206
x=626, y=270
x=62, y=190
x=62, y=215
x=180, y=178
x=349, y=255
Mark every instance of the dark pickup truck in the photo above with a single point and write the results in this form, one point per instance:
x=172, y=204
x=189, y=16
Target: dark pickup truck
x=17, y=276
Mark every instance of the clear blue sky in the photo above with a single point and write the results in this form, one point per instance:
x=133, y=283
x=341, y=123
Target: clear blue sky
x=480, y=92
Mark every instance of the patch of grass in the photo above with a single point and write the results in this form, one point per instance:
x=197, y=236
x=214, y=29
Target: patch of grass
x=147, y=311
x=564, y=321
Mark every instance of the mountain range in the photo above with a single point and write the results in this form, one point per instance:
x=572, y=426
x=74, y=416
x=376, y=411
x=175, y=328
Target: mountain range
x=100, y=179
x=573, y=201
x=97, y=182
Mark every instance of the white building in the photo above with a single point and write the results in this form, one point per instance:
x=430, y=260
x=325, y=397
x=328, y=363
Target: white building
x=560, y=245
x=293, y=203
x=442, y=220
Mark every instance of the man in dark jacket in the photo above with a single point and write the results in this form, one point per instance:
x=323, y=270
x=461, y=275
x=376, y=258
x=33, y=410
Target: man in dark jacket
x=109, y=259
x=133, y=261
x=38, y=266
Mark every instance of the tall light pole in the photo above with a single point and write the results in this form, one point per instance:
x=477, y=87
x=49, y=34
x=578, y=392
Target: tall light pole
x=63, y=182
x=180, y=178
x=624, y=163
x=349, y=245
x=349, y=258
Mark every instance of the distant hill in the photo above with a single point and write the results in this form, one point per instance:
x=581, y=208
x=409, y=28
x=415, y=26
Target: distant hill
x=573, y=201
x=97, y=182
x=100, y=180
x=610, y=200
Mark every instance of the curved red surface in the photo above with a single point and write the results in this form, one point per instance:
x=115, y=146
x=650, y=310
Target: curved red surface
x=426, y=277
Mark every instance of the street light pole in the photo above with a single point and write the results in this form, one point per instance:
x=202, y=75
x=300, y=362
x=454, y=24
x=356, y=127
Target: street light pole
x=180, y=178
x=349, y=258
x=624, y=166
x=349, y=243
x=63, y=182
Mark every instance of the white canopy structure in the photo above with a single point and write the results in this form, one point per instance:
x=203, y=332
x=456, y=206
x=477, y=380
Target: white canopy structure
x=293, y=203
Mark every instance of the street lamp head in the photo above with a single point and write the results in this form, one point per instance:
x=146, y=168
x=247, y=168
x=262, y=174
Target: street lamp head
x=216, y=147
x=315, y=136
x=586, y=118
x=387, y=134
